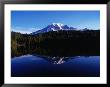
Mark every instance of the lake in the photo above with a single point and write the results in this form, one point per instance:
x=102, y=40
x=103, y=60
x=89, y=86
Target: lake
x=44, y=66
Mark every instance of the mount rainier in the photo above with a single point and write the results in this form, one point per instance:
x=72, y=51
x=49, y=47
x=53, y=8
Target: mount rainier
x=54, y=27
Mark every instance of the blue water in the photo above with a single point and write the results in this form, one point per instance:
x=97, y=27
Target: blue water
x=37, y=66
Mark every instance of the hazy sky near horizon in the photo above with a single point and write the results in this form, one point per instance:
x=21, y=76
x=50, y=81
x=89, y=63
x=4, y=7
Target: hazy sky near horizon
x=30, y=21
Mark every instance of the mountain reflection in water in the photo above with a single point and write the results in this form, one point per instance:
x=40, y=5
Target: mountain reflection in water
x=48, y=66
x=55, y=60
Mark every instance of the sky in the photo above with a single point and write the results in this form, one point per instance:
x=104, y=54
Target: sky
x=30, y=21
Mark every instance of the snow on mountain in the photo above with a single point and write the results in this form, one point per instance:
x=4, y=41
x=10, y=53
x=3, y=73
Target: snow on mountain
x=54, y=27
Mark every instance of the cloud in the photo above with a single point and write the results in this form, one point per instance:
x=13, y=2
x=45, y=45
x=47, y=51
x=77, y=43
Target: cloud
x=24, y=30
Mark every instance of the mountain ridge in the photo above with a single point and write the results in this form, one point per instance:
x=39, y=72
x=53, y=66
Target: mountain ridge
x=54, y=27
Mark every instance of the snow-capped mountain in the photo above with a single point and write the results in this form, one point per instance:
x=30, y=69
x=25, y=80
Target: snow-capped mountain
x=54, y=27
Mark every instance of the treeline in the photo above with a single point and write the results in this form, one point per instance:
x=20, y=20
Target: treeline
x=57, y=43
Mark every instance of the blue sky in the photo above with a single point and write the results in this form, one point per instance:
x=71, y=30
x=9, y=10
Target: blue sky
x=29, y=21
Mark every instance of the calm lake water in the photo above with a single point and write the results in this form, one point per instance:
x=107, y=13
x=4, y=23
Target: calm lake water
x=38, y=66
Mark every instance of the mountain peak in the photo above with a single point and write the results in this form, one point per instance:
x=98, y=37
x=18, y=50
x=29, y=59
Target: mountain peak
x=54, y=27
x=58, y=24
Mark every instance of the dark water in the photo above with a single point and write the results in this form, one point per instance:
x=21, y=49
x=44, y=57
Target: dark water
x=38, y=66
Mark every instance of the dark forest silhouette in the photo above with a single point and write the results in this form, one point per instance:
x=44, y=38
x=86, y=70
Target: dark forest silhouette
x=57, y=43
